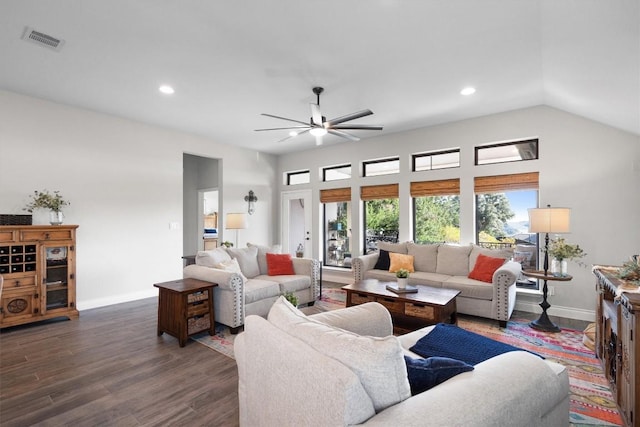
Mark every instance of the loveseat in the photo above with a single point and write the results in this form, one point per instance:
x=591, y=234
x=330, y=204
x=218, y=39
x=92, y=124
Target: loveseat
x=449, y=266
x=244, y=285
x=344, y=367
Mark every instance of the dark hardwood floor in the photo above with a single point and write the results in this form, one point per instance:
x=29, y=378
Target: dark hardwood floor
x=109, y=367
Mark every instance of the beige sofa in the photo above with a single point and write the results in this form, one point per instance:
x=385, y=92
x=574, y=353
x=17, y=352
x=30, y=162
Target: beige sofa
x=448, y=266
x=251, y=290
x=344, y=367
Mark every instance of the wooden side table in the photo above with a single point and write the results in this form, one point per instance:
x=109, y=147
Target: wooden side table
x=185, y=307
x=544, y=323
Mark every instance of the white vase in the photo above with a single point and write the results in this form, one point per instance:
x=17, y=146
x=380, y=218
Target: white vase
x=55, y=218
x=402, y=283
x=559, y=267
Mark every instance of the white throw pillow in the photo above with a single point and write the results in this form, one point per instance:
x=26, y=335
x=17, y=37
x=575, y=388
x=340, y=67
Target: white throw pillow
x=378, y=362
x=212, y=258
x=425, y=257
x=248, y=260
x=232, y=266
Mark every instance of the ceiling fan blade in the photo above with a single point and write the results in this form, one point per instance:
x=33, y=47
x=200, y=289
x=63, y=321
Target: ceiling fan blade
x=293, y=136
x=316, y=116
x=361, y=127
x=343, y=134
x=284, y=118
x=348, y=117
x=287, y=128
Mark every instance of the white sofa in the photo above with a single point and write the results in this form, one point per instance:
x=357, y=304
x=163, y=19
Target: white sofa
x=344, y=367
x=254, y=291
x=448, y=266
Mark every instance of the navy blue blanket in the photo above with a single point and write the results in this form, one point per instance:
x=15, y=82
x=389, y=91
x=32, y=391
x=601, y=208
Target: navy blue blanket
x=447, y=340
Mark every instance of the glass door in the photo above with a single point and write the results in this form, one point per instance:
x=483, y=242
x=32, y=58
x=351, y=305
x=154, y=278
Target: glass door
x=56, y=280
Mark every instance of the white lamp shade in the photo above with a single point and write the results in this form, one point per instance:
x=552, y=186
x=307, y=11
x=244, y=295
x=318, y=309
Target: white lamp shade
x=549, y=220
x=237, y=221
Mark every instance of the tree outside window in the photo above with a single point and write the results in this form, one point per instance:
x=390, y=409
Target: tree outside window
x=436, y=219
x=381, y=222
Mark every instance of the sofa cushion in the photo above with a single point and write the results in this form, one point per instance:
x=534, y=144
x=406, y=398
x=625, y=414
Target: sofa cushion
x=279, y=264
x=378, y=362
x=291, y=283
x=425, y=257
x=399, y=248
x=428, y=279
x=485, y=267
x=505, y=254
x=469, y=288
x=453, y=260
x=399, y=261
x=262, y=255
x=427, y=373
x=248, y=260
x=258, y=289
x=383, y=261
x=212, y=258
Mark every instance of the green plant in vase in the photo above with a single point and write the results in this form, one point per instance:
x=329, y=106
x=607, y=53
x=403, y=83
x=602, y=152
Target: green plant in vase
x=403, y=277
x=289, y=296
x=46, y=200
x=561, y=252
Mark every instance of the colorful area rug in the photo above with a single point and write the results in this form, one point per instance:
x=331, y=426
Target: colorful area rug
x=591, y=402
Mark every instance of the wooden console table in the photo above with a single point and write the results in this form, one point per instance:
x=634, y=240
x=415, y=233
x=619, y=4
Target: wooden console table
x=617, y=341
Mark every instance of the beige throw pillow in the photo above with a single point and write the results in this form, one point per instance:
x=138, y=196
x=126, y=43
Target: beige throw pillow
x=262, y=255
x=247, y=259
x=232, y=266
x=378, y=362
x=212, y=258
x=453, y=260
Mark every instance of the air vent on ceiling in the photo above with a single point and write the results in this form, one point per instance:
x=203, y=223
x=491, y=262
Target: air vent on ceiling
x=42, y=39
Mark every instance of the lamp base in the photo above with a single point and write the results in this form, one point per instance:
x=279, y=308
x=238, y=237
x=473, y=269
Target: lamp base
x=544, y=324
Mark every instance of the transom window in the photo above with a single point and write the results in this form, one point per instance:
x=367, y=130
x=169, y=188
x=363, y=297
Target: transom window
x=435, y=160
x=334, y=173
x=516, y=151
x=381, y=166
x=299, y=177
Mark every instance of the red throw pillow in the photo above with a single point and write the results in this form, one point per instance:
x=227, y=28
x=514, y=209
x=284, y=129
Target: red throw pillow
x=485, y=267
x=279, y=264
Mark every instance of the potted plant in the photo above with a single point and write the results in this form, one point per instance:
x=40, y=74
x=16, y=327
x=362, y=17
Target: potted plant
x=561, y=252
x=45, y=200
x=403, y=277
x=289, y=296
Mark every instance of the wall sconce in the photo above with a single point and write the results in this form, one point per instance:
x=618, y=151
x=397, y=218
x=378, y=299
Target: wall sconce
x=251, y=199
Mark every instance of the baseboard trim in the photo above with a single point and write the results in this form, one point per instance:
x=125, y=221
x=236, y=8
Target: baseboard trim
x=116, y=299
x=560, y=311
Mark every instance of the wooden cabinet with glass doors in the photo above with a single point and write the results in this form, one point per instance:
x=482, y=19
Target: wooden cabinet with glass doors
x=38, y=265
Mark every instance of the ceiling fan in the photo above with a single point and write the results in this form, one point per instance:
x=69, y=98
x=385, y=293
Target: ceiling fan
x=319, y=126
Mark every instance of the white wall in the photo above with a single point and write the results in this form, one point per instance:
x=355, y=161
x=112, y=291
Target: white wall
x=592, y=168
x=124, y=181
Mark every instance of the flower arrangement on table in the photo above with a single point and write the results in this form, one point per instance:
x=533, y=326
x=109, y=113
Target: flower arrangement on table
x=561, y=250
x=630, y=271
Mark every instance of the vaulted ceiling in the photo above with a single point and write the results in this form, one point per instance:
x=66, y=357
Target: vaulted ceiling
x=230, y=61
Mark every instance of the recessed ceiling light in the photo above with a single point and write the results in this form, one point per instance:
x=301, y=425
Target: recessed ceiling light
x=468, y=91
x=166, y=89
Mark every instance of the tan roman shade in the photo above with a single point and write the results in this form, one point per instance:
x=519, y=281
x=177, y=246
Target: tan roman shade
x=335, y=195
x=443, y=187
x=375, y=192
x=500, y=183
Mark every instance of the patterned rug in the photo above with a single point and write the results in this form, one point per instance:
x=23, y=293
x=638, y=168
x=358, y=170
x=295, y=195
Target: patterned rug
x=591, y=402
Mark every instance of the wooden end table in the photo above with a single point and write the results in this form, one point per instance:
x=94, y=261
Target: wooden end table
x=409, y=311
x=185, y=307
x=543, y=323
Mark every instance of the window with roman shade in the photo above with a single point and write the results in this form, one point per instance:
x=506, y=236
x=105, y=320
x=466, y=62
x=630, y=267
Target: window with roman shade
x=436, y=211
x=381, y=214
x=336, y=203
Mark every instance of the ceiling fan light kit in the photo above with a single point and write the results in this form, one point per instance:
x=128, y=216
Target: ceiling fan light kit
x=319, y=126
